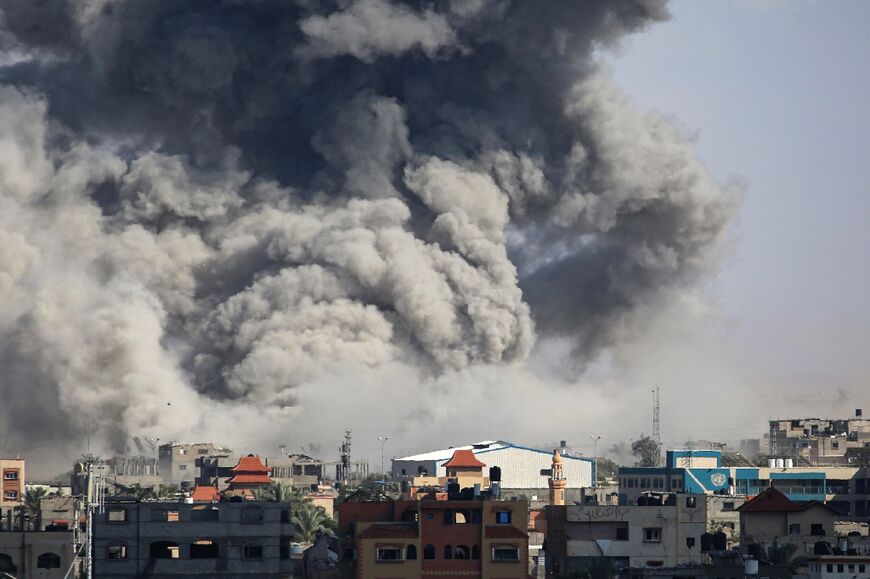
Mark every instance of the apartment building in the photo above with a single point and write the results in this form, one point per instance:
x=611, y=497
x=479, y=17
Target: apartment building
x=168, y=539
x=820, y=441
x=434, y=536
x=663, y=531
x=178, y=462
x=11, y=482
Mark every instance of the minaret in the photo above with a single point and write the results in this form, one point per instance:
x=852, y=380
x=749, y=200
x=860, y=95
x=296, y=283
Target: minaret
x=557, y=481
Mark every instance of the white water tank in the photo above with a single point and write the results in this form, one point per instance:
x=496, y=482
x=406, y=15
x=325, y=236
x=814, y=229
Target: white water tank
x=750, y=566
x=771, y=463
x=780, y=463
x=789, y=463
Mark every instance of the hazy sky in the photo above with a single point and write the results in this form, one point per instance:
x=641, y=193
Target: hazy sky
x=777, y=94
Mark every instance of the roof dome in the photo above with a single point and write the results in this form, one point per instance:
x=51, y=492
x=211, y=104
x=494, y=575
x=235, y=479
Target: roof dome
x=557, y=458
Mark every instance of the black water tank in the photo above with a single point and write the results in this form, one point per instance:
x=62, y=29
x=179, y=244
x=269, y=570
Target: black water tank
x=706, y=542
x=720, y=541
x=822, y=548
x=494, y=474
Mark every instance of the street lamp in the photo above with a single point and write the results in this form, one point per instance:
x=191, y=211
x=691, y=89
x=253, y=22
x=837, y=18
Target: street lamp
x=383, y=440
x=595, y=438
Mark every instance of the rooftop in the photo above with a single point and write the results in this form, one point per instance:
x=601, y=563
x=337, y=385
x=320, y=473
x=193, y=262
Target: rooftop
x=463, y=459
x=478, y=448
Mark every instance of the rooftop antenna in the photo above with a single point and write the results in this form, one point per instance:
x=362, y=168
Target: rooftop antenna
x=656, y=423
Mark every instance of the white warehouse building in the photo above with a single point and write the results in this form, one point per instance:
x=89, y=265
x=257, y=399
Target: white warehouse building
x=521, y=466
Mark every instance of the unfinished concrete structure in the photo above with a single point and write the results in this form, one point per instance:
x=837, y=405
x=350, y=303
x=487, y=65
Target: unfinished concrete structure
x=819, y=441
x=178, y=462
x=167, y=539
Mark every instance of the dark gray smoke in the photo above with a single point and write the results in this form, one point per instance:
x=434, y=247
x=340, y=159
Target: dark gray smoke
x=208, y=203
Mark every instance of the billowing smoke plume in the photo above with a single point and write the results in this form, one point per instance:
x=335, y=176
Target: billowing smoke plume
x=208, y=203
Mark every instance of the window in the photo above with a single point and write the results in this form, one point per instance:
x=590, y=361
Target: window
x=652, y=535
x=10, y=475
x=461, y=517
x=851, y=567
x=117, y=552
x=448, y=517
x=429, y=552
x=11, y=495
x=389, y=553
x=505, y=553
x=430, y=516
x=622, y=533
x=475, y=517
x=201, y=451
x=839, y=568
x=461, y=552
x=728, y=506
x=252, y=515
x=182, y=467
x=164, y=550
x=252, y=551
x=691, y=502
x=690, y=542
x=448, y=552
x=794, y=529
x=48, y=561
x=503, y=517
x=204, y=513
x=655, y=563
x=411, y=552
x=475, y=552
x=817, y=529
x=117, y=515
x=835, y=445
x=6, y=563
x=829, y=568
x=204, y=549
x=862, y=568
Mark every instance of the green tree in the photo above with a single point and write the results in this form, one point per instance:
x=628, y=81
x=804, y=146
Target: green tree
x=33, y=501
x=167, y=491
x=647, y=450
x=309, y=520
x=138, y=491
x=606, y=469
x=783, y=555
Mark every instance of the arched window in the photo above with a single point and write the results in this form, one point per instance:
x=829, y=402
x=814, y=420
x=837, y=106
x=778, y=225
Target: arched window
x=461, y=552
x=411, y=552
x=164, y=550
x=204, y=549
x=429, y=552
x=462, y=517
x=48, y=561
x=448, y=552
x=475, y=552
x=7, y=565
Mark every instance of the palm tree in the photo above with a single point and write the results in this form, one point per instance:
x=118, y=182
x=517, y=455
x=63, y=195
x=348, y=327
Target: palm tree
x=140, y=492
x=284, y=493
x=782, y=555
x=310, y=520
x=33, y=504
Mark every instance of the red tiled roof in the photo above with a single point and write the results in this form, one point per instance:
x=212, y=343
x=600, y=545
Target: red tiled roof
x=770, y=501
x=251, y=464
x=463, y=459
x=204, y=494
x=390, y=531
x=249, y=479
x=504, y=532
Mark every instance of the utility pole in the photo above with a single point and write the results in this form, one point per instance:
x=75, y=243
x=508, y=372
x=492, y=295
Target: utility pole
x=595, y=438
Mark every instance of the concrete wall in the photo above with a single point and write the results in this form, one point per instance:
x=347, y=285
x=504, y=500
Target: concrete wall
x=25, y=548
x=230, y=530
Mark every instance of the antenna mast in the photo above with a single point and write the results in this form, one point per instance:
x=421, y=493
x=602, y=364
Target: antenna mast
x=656, y=423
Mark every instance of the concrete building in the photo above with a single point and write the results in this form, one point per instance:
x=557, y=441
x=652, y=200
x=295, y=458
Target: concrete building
x=43, y=554
x=434, y=537
x=58, y=512
x=523, y=471
x=843, y=488
x=772, y=516
x=666, y=531
x=819, y=441
x=838, y=567
x=120, y=474
x=12, y=474
x=162, y=539
x=298, y=470
x=178, y=462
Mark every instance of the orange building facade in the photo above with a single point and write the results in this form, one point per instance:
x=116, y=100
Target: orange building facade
x=434, y=538
x=11, y=482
